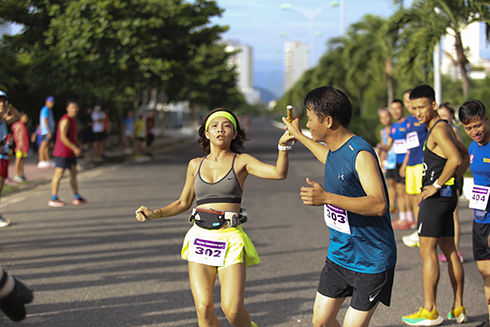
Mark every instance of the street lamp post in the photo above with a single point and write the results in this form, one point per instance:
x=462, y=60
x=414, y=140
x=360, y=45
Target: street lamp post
x=310, y=16
x=437, y=67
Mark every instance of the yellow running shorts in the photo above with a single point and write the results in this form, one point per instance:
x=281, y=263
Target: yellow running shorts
x=237, y=240
x=413, y=179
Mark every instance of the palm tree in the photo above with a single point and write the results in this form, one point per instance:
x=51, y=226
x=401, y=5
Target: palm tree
x=356, y=50
x=427, y=21
x=381, y=40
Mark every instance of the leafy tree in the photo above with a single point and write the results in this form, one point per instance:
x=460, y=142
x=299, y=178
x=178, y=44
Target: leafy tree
x=214, y=80
x=108, y=49
x=380, y=40
x=427, y=21
x=8, y=78
x=356, y=56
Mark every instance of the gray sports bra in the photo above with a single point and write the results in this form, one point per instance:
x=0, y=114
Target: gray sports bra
x=226, y=190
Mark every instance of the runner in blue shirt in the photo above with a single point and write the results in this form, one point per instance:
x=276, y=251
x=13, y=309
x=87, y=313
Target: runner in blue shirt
x=362, y=251
x=413, y=168
x=398, y=134
x=472, y=115
x=387, y=157
x=46, y=120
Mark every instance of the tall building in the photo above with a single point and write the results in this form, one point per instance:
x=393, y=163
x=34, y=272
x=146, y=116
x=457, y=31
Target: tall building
x=295, y=62
x=480, y=67
x=243, y=60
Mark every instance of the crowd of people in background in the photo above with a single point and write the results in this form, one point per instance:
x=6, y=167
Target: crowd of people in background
x=421, y=155
x=19, y=140
x=431, y=163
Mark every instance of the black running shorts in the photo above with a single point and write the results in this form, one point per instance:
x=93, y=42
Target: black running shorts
x=436, y=217
x=65, y=163
x=390, y=174
x=366, y=289
x=481, y=250
x=398, y=178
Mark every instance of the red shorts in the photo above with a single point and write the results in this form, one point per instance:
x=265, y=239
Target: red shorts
x=4, y=168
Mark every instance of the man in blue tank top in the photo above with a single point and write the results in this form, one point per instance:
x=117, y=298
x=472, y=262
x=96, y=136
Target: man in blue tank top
x=398, y=137
x=445, y=161
x=362, y=252
x=472, y=115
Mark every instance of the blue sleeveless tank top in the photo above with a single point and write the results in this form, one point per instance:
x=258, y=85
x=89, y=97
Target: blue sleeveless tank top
x=399, y=132
x=226, y=190
x=391, y=155
x=370, y=247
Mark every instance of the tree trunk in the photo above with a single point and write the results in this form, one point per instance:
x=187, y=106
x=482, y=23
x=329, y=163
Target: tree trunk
x=462, y=62
x=153, y=97
x=135, y=103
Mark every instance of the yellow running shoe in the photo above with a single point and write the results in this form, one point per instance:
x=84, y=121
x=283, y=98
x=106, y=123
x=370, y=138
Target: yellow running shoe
x=458, y=314
x=254, y=324
x=423, y=318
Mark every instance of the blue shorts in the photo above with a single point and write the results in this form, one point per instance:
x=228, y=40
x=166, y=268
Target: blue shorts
x=65, y=163
x=44, y=138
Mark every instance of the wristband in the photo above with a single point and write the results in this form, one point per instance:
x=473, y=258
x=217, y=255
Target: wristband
x=284, y=148
x=437, y=186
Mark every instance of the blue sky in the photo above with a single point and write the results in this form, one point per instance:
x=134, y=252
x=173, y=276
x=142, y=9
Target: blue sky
x=263, y=25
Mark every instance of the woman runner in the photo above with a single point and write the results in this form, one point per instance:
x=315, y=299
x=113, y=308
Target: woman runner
x=216, y=243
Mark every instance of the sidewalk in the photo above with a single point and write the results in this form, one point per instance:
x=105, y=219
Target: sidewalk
x=114, y=153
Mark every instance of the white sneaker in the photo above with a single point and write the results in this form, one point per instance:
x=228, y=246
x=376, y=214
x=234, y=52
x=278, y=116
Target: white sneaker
x=19, y=179
x=4, y=222
x=411, y=240
x=42, y=164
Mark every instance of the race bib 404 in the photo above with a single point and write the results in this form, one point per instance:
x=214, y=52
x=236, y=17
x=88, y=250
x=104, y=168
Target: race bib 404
x=336, y=218
x=207, y=252
x=479, y=197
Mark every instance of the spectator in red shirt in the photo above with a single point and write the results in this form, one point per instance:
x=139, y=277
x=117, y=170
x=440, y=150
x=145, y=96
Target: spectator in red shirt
x=21, y=138
x=66, y=150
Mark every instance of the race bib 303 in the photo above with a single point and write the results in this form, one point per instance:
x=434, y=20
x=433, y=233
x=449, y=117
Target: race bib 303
x=337, y=219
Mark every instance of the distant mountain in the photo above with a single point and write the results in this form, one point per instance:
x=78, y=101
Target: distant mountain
x=265, y=95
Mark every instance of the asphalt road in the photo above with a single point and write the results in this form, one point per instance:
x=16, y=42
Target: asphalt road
x=95, y=265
